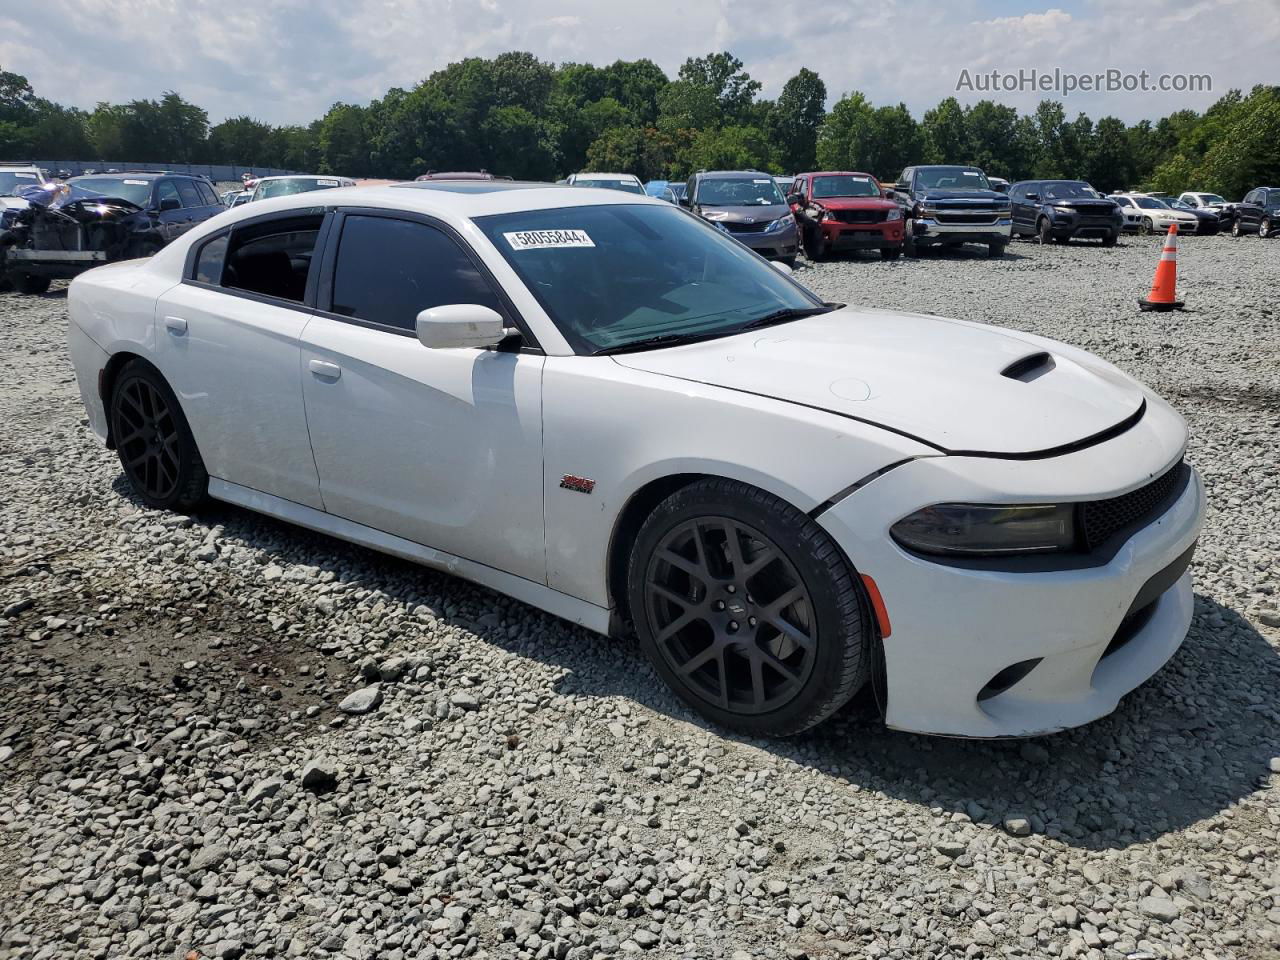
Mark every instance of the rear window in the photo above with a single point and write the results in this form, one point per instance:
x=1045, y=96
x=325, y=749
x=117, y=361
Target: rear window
x=272, y=258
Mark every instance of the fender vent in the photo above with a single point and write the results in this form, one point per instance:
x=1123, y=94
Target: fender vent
x=1029, y=367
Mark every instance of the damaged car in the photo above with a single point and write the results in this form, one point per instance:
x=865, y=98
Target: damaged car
x=68, y=228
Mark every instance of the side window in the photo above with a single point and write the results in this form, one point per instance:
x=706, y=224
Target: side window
x=388, y=270
x=272, y=258
x=1016, y=192
x=1252, y=197
x=206, y=194
x=187, y=191
x=165, y=190
x=210, y=259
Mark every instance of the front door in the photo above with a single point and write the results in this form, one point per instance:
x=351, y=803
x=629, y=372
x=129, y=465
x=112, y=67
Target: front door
x=441, y=447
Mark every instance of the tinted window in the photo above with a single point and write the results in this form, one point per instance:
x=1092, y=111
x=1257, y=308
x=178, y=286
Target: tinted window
x=388, y=271
x=206, y=193
x=210, y=259
x=273, y=258
x=165, y=190
x=190, y=197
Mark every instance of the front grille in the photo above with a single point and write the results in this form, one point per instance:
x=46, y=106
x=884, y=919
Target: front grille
x=859, y=216
x=1099, y=520
x=734, y=227
x=1093, y=210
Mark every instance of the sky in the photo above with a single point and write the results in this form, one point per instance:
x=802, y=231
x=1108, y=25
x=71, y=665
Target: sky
x=287, y=61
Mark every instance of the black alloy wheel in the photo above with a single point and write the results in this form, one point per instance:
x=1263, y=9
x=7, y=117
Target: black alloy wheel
x=732, y=615
x=748, y=609
x=154, y=442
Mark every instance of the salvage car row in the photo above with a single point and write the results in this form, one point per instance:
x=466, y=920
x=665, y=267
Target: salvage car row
x=451, y=372
x=57, y=230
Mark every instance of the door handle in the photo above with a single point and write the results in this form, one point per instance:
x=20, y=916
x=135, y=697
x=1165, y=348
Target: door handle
x=175, y=325
x=325, y=369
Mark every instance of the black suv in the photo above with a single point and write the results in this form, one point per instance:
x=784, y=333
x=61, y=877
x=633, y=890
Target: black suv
x=1062, y=210
x=91, y=220
x=1258, y=212
x=950, y=205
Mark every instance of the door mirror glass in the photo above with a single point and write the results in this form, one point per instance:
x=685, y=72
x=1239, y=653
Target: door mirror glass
x=460, y=325
x=170, y=203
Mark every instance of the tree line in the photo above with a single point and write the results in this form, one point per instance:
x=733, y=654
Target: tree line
x=517, y=115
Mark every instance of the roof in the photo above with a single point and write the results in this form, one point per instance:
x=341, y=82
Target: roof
x=457, y=199
x=132, y=175
x=726, y=174
x=588, y=175
x=301, y=176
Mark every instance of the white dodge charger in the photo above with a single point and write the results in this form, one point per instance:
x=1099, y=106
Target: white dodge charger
x=607, y=408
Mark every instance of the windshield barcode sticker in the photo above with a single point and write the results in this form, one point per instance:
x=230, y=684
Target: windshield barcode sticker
x=327, y=183
x=136, y=183
x=547, y=239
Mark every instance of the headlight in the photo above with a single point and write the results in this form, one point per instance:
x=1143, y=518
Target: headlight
x=894, y=214
x=920, y=210
x=1062, y=211
x=778, y=224
x=985, y=530
x=716, y=215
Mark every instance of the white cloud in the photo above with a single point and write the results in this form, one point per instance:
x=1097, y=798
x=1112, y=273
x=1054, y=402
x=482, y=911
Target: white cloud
x=288, y=60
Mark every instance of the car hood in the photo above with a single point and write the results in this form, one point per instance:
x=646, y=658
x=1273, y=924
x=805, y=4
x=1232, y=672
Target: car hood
x=855, y=203
x=964, y=388
x=756, y=213
x=936, y=194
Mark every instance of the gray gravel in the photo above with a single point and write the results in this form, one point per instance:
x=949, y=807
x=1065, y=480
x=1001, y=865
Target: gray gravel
x=186, y=764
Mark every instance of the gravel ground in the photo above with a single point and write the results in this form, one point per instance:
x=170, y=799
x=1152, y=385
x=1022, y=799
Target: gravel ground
x=177, y=778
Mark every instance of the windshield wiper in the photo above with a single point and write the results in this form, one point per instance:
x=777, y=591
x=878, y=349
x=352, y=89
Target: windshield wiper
x=783, y=315
x=661, y=340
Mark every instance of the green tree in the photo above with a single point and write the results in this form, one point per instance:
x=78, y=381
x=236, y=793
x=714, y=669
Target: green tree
x=722, y=74
x=1110, y=163
x=636, y=85
x=945, y=130
x=517, y=144
x=1003, y=144
x=241, y=140
x=796, y=117
x=730, y=148
x=343, y=141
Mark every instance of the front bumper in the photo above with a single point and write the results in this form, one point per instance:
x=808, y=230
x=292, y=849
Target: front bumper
x=55, y=264
x=776, y=245
x=1074, y=226
x=926, y=230
x=861, y=236
x=955, y=629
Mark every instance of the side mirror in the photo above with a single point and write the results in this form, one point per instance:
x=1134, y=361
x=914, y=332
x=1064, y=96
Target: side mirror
x=459, y=325
x=888, y=193
x=1033, y=196
x=903, y=186
x=781, y=267
x=170, y=203
x=685, y=202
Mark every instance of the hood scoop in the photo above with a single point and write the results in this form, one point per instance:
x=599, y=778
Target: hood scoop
x=1030, y=367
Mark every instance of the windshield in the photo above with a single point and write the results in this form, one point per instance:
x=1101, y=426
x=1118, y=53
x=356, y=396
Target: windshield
x=844, y=186
x=288, y=186
x=951, y=178
x=627, y=186
x=1149, y=203
x=12, y=179
x=738, y=192
x=1069, y=190
x=612, y=275
x=1211, y=198
x=126, y=188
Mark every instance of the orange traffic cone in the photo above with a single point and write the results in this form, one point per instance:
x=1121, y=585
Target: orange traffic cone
x=1164, y=286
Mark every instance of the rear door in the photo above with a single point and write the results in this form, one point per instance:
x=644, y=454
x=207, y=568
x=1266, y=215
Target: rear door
x=441, y=447
x=1250, y=211
x=1023, y=212
x=228, y=343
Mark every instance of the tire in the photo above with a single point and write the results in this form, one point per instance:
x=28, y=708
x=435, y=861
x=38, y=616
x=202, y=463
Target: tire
x=995, y=250
x=154, y=441
x=29, y=283
x=1043, y=230
x=812, y=242
x=1264, y=227
x=890, y=253
x=1235, y=228
x=786, y=668
x=909, y=245
x=1147, y=227
x=1110, y=239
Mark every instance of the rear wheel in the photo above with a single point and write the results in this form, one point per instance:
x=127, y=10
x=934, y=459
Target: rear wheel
x=30, y=283
x=748, y=609
x=154, y=442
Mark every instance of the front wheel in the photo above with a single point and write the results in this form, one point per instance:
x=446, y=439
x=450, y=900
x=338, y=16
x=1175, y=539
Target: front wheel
x=747, y=609
x=811, y=240
x=1044, y=230
x=1235, y=228
x=890, y=253
x=995, y=250
x=909, y=245
x=1110, y=239
x=154, y=441
x=1264, y=228
x=1147, y=227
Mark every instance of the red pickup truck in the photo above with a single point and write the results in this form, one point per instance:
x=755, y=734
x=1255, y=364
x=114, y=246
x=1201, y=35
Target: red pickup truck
x=839, y=210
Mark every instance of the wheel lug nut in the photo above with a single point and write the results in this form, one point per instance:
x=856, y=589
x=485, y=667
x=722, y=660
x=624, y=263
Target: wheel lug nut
x=731, y=588
x=751, y=621
x=733, y=626
x=719, y=605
